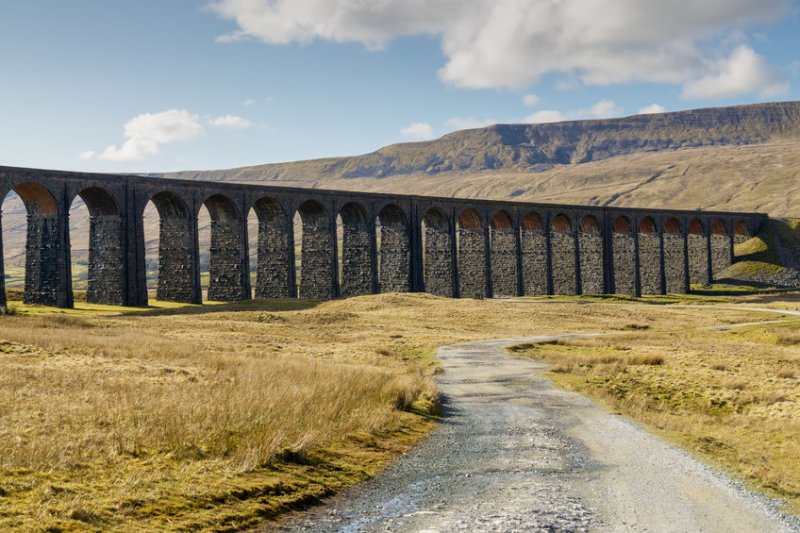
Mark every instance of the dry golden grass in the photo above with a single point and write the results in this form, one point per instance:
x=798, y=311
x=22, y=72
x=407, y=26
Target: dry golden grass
x=218, y=417
x=732, y=396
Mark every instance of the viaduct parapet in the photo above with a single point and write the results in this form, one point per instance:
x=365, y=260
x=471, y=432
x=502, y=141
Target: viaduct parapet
x=390, y=243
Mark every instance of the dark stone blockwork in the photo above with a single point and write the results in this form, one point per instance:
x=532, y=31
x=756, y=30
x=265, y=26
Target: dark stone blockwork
x=445, y=246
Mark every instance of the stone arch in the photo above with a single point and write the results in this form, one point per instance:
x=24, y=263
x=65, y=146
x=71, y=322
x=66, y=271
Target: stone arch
x=178, y=268
x=697, y=245
x=741, y=232
x=394, y=272
x=471, y=247
x=275, y=256
x=649, y=257
x=562, y=254
x=357, y=253
x=317, y=257
x=533, y=243
x=503, y=245
x=46, y=259
x=437, y=253
x=227, y=271
x=106, y=272
x=674, y=257
x=590, y=243
x=623, y=247
x=721, y=251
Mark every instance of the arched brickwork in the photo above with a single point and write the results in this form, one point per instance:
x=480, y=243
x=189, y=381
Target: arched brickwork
x=471, y=246
x=395, y=250
x=317, y=271
x=624, y=257
x=357, y=251
x=178, y=268
x=437, y=253
x=533, y=243
x=697, y=244
x=562, y=246
x=226, y=276
x=503, y=244
x=649, y=257
x=590, y=241
x=275, y=263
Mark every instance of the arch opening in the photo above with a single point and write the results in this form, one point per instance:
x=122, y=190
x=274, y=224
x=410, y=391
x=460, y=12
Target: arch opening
x=718, y=227
x=356, y=256
x=274, y=250
x=589, y=224
x=696, y=227
x=503, y=245
x=96, y=251
x=317, y=252
x=437, y=253
x=561, y=224
x=178, y=278
x=227, y=269
x=394, y=257
x=471, y=247
x=647, y=225
x=532, y=222
x=622, y=225
x=672, y=226
x=741, y=232
x=42, y=264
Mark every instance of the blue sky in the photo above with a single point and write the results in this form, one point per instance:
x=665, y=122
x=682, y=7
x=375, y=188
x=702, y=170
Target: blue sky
x=150, y=85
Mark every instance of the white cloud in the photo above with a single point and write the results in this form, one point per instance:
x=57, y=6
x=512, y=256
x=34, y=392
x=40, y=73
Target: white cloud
x=530, y=100
x=513, y=43
x=145, y=133
x=743, y=72
x=250, y=102
x=467, y=123
x=604, y=109
x=545, y=116
x=231, y=121
x=88, y=154
x=651, y=109
x=418, y=131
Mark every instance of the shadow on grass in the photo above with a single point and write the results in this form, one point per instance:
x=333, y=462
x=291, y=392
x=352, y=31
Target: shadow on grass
x=273, y=305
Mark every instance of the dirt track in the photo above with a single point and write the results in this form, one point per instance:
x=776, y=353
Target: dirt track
x=516, y=454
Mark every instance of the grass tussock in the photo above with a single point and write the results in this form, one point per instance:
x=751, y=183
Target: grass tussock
x=218, y=417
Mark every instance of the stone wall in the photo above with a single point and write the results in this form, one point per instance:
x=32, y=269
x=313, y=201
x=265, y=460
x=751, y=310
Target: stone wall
x=471, y=263
x=624, y=258
x=438, y=261
x=650, y=263
x=317, y=259
x=225, y=261
x=43, y=284
x=698, y=258
x=591, y=256
x=395, y=261
x=356, y=259
x=534, y=262
x=504, y=262
x=562, y=246
x=275, y=259
x=176, y=261
x=106, y=276
x=674, y=263
x=720, y=253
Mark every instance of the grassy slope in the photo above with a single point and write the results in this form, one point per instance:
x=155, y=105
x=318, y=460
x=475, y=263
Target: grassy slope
x=221, y=416
x=732, y=397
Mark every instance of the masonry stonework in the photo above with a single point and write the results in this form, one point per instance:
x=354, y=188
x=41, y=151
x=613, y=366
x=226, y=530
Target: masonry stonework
x=534, y=262
x=562, y=246
x=417, y=243
x=650, y=263
x=504, y=262
x=591, y=255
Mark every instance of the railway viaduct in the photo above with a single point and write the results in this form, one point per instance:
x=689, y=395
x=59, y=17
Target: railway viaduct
x=445, y=246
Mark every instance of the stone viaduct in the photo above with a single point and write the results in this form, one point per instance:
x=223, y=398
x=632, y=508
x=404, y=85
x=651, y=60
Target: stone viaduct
x=445, y=246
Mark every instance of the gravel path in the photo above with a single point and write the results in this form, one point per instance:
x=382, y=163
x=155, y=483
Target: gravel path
x=515, y=454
